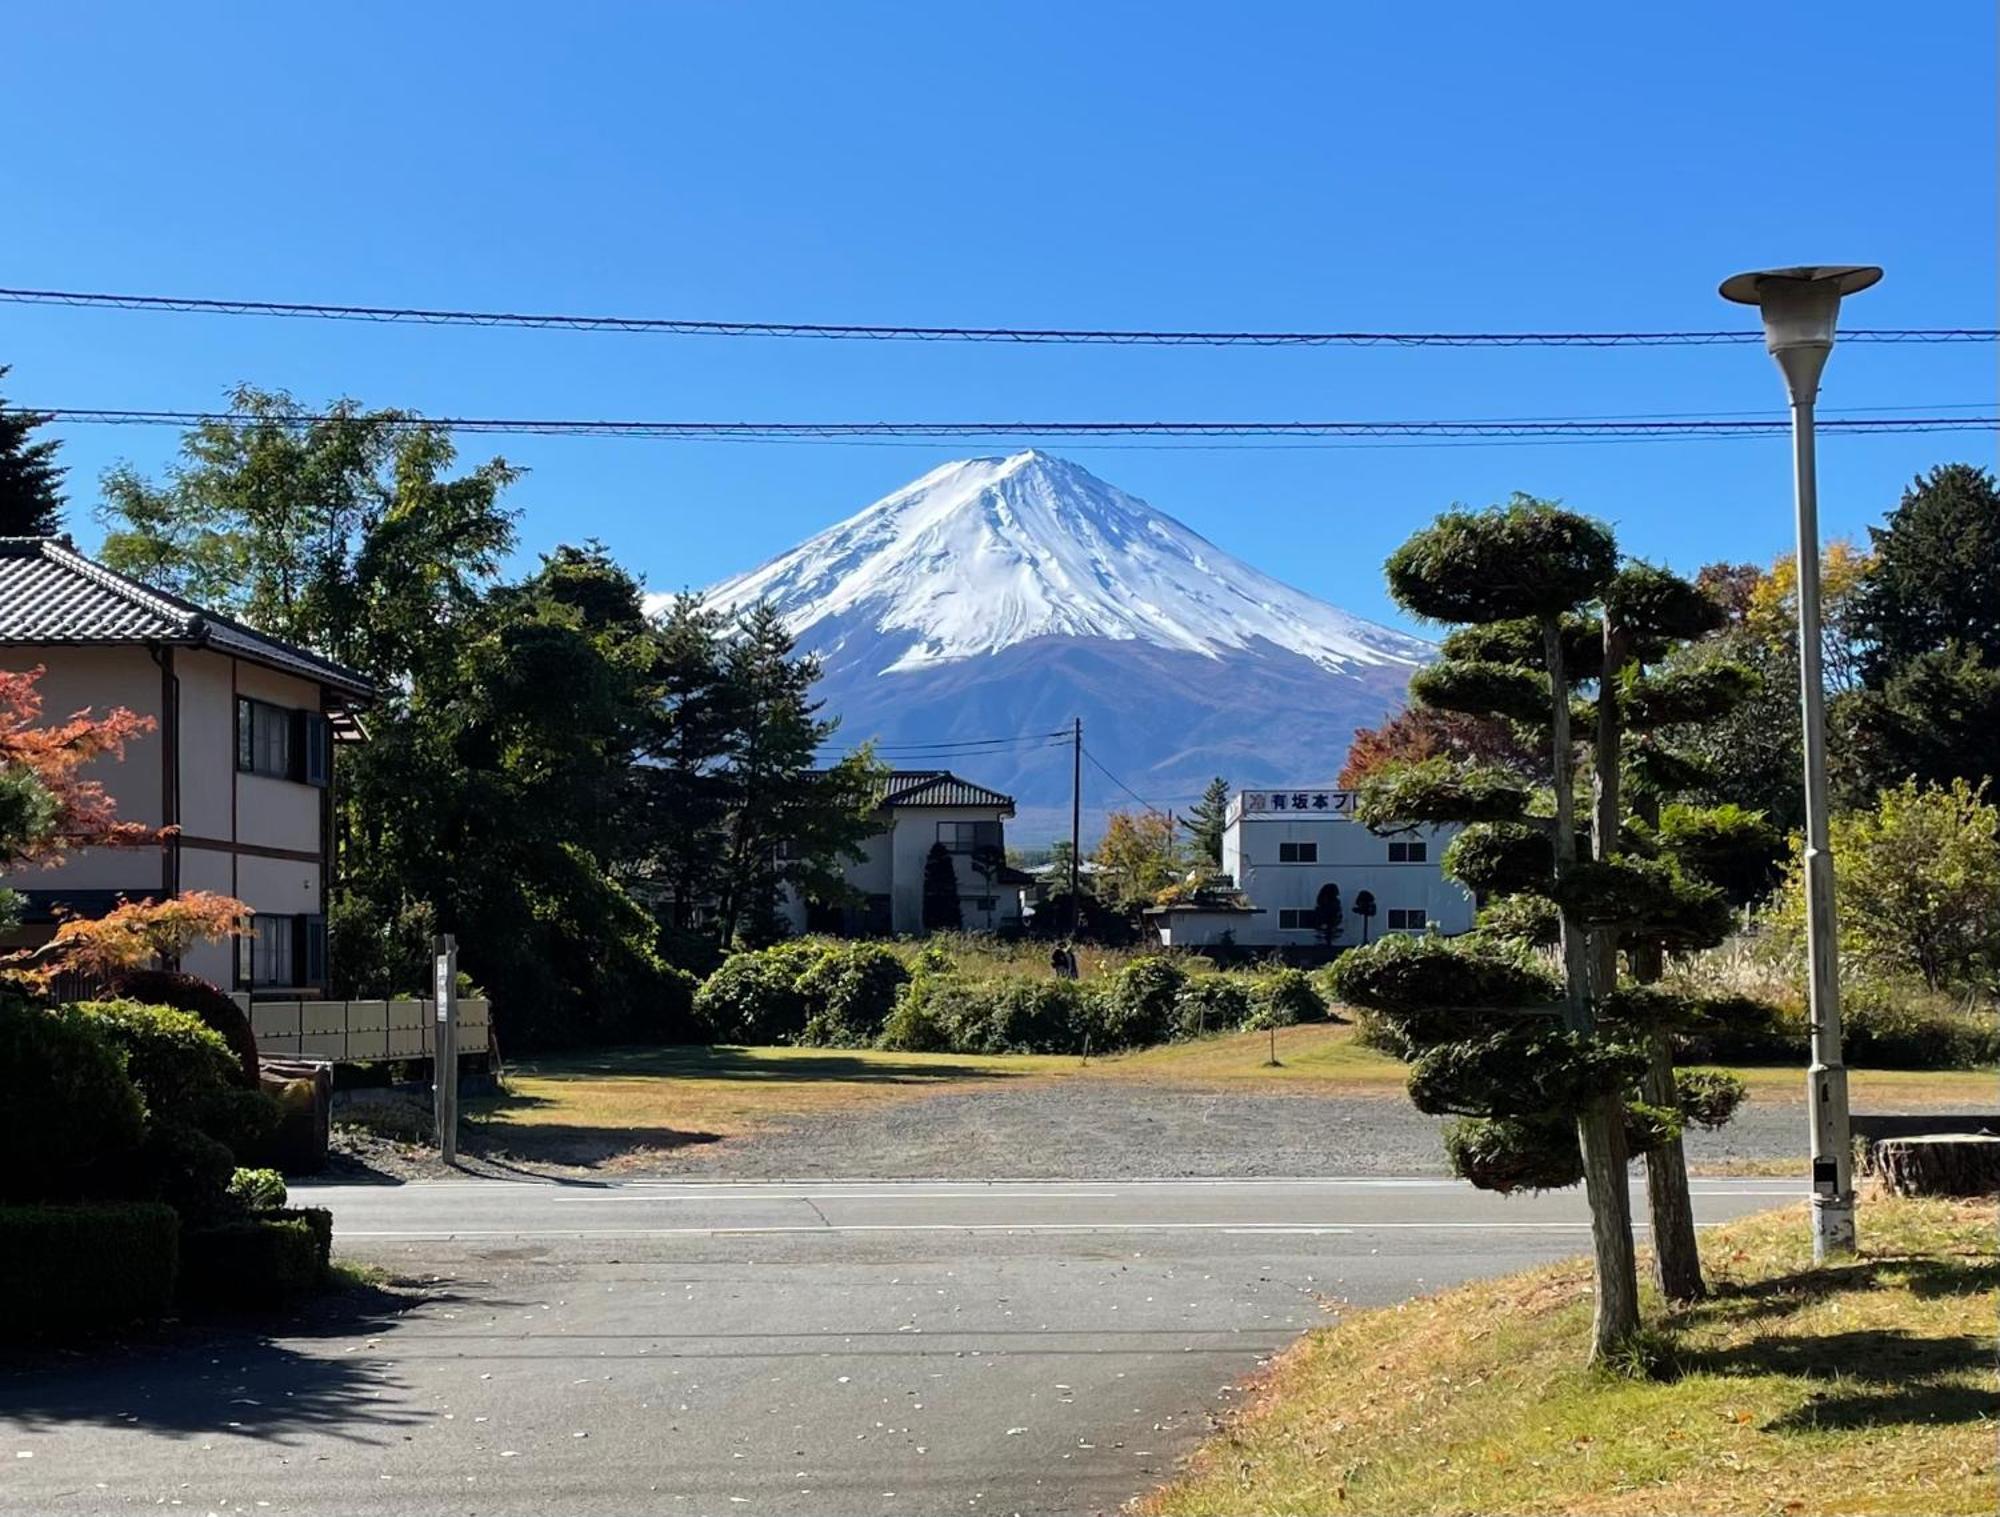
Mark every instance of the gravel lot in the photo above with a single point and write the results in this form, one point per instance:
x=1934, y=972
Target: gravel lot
x=1118, y=1129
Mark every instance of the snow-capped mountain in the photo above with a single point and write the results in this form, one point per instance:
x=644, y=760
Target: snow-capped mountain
x=1002, y=596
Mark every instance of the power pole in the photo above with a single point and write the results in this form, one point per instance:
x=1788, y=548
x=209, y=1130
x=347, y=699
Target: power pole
x=1075, y=820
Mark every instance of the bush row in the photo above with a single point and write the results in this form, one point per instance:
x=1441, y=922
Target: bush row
x=862, y=995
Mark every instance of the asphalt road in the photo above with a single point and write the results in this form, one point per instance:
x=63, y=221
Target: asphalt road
x=851, y=1347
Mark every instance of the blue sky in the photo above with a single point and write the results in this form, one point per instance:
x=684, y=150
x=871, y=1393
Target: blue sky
x=1447, y=166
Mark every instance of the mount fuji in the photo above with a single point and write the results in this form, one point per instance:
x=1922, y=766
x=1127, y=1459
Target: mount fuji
x=997, y=598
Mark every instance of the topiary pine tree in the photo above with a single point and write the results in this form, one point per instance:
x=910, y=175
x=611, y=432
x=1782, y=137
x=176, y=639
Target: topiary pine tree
x=942, y=912
x=1544, y=611
x=31, y=498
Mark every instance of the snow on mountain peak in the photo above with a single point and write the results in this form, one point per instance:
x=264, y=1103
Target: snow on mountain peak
x=984, y=553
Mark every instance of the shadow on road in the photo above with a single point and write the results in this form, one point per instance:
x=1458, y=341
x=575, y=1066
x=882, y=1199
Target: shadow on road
x=722, y=1062
x=230, y=1378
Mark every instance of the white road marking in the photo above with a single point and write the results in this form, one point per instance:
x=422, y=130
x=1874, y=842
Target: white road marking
x=969, y=1227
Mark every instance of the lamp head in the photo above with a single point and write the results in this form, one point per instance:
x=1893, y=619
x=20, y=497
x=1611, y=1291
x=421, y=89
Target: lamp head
x=1800, y=307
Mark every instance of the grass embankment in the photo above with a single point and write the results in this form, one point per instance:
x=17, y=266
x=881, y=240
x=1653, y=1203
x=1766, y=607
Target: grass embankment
x=1868, y=1388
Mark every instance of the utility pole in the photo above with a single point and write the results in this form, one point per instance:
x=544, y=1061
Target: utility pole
x=1075, y=821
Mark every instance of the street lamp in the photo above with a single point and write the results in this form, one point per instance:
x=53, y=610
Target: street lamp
x=1800, y=307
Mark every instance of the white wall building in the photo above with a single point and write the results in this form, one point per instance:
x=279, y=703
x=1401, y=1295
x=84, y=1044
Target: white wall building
x=917, y=809
x=1283, y=847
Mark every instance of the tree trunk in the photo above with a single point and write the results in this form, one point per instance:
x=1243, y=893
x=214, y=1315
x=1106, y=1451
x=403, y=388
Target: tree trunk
x=1600, y=1127
x=1676, y=1257
x=1944, y=1164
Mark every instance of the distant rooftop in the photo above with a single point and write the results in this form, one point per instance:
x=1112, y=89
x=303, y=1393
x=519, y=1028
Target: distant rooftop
x=50, y=593
x=936, y=787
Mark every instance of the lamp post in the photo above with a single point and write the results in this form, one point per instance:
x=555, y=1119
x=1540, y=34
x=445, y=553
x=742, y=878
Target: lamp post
x=1800, y=307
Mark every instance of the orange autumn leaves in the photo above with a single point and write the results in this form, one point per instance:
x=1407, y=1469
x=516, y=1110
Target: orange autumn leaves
x=78, y=812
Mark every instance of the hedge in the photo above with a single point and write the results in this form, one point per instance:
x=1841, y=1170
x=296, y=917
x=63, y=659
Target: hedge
x=72, y=1271
x=256, y=1264
x=191, y=993
x=70, y=1119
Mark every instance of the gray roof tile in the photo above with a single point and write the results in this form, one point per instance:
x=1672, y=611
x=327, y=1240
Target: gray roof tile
x=50, y=593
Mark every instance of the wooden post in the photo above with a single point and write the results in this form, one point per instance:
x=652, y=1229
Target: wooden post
x=444, y=1049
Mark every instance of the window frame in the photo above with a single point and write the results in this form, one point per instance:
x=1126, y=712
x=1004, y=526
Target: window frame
x=1391, y=913
x=1304, y=851
x=305, y=737
x=1304, y=918
x=1414, y=851
x=984, y=834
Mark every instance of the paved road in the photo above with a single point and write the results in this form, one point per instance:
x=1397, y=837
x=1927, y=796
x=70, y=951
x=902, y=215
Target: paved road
x=853, y=1347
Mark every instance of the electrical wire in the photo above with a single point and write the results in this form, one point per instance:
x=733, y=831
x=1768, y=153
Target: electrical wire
x=1545, y=430
x=1099, y=767
x=846, y=331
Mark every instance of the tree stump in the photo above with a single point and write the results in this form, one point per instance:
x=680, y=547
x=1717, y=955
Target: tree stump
x=1940, y=1164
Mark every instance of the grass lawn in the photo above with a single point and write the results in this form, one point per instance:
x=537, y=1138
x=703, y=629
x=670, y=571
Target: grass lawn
x=1325, y=1055
x=1864, y=1388
x=648, y=1099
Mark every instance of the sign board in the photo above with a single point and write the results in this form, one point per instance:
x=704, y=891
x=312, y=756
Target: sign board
x=1295, y=802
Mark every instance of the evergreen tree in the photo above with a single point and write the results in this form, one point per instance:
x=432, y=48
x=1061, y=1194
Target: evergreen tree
x=1209, y=820
x=941, y=905
x=31, y=497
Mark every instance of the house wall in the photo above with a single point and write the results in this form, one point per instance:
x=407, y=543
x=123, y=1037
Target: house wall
x=1205, y=929
x=102, y=678
x=914, y=829
x=251, y=836
x=1351, y=857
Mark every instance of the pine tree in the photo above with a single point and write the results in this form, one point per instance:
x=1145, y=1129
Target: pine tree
x=31, y=497
x=941, y=905
x=1209, y=820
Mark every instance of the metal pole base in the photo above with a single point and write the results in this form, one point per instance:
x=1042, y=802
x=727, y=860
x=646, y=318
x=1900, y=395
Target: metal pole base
x=1832, y=1227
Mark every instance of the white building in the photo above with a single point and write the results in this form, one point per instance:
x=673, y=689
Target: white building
x=918, y=809
x=1284, y=847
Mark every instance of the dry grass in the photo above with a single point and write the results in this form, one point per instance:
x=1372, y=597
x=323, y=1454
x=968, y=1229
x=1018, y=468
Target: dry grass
x=1866, y=1388
x=650, y=1099
x=1326, y=1056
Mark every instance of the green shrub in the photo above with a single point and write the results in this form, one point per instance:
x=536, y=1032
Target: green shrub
x=1436, y=989
x=318, y=1221
x=917, y=1024
x=1373, y=1030
x=1287, y=996
x=71, y=1271
x=1891, y=1026
x=191, y=993
x=1648, y=1127
x=180, y=1066
x=1708, y=1097
x=849, y=991
x=70, y=1119
x=257, y=1263
x=1014, y=1015
x=1740, y=1029
x=932, y=958
x=1528, y=919
x=1512, y=1155
x=256, y=1190
x=183, y=1166
x=754, y=997
x=1137, y=1010
x=1210, y=1003
x=668, y=1014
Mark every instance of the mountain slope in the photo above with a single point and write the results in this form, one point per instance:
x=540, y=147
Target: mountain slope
x=1003, y=596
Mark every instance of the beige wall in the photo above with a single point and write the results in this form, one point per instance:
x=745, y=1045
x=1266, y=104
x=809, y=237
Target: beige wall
x=101, y=679
x=225, y=817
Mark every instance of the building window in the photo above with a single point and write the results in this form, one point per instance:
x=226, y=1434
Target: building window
x=1302, y=919
x=284, y=744
x=984, y=902
x=281, y=950
x=1409, y=853
x=1298, y=853
x=1402, y=919
x=968, y=837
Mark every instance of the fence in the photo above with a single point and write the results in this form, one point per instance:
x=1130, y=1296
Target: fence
x=351, y=1031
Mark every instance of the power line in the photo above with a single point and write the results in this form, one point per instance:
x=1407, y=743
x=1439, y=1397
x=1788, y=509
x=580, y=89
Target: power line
x=845, y=331
x=769, y=431
x=1125, y=787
